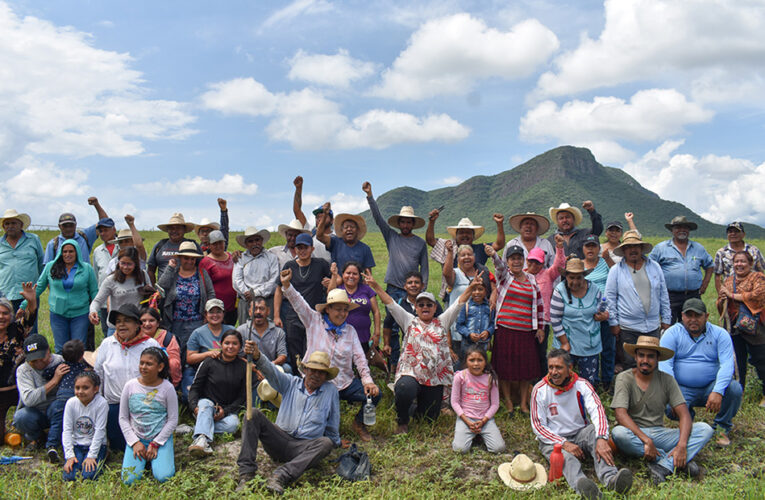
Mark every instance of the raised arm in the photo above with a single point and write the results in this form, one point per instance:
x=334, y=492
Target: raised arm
x=374, y=285
x=385, y=229
x=93, y=201
x=500, y=243
x=297, y=201
x=137, y=240
x=223, y=205
x=595, y=218
x=430, y=232
x=448, y=268
x=321, y=229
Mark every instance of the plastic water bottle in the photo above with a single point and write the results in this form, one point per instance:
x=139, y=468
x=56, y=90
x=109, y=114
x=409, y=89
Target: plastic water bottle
x=603, y=306
x=370, y=412
x=556, y=463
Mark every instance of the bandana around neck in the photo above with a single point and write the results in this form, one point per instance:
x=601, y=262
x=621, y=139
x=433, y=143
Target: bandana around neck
x=331, y=327
x=567, y=384
x=130, y=343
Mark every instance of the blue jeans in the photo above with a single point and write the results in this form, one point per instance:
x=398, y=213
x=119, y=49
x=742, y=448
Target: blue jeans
x=189, y=372
x=113, y=429
x=664, y=440
x=65, y=329
x=587, y=367
x=208, y=426
x=162, y=467
x=355, y=392
x=56, y=418
x=697, y=397
x=608, y=354
x=81, y=453
x=16, y=303
x=31, y=422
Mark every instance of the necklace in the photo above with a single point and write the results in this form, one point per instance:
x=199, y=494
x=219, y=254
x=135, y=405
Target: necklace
x=307, y=273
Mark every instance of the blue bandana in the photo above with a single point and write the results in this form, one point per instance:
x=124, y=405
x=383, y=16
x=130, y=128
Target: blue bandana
x=331, y=327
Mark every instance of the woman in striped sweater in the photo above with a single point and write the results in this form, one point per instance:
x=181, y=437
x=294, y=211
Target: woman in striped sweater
x=519, y=320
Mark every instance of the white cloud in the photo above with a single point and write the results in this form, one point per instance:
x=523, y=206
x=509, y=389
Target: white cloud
x=337, y=70
x=451, y=181
x=228, y=184
x=295, y=9
x=650, y=115
x=644, y=39
x=309, y=121
x=447, y=56
x=340, y=202
x=35, y=180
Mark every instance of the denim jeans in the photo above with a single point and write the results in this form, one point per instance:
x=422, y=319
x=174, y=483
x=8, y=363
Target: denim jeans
x=163, y=466
x=355, y=392
x=208, y=426
x=697, y=396
x=65, y=329
x=31, y=422
x=56, y=418
x=664, y=440
x=189, y=372
x=608, y=354
x=113, y=429
x=81, y=453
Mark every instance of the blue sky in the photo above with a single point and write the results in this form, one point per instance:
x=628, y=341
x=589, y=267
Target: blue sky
x=158, y=107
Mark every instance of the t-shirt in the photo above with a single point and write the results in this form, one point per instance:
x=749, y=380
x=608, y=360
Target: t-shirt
x=203, y=340
x=643, y=287
x=342, y=253
x=148, y=413
x=220, y=272
x=307, y=281
x=163, y=251
x=359, y=318
x=649, y=412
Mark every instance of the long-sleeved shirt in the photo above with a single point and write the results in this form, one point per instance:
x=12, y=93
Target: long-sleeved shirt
x=101, y=260
x=545, y=245
x=702, y=360
x=31, y=385
x=256, y=273
x=504, y=281
x=168, y=281
x=575, y=320
x=148, y=413
x=344, y=349
x=304, y=415
x=472, y=396
x=20, y=264
x=85, y=243
x=222, y=382
x=84, y=426
x=574, y=245
x=475, y=318
x=624, y=305
x=116, y=364
x=546, y=279
x=118, y=293
x=724, y=259
x=557, y=414
x=405, y=253
x=682, y=272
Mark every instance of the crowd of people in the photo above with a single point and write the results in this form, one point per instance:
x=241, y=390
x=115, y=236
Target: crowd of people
x=188, y=323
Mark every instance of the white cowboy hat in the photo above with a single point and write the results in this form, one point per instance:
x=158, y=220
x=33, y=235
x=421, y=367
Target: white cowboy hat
x=188, y=249
x=542, y=223
x=632, y=238
x=319, y=360
x=13, y=214
x=294, y=225
x=522, y=474
x=177, y=220
x=268, y=393
x=337, y=296
x=90, y=357
x=205, y=222
x=359, y=220
x=466, y=223
x=565, y=207
x=250, y=231
x=406, y=211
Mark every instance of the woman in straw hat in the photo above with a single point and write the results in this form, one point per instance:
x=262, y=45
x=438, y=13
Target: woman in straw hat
x=166, y=248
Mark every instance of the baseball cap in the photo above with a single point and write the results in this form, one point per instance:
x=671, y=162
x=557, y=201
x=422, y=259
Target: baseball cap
x=615, y=223
x=216, y=236
x=513, y=250
x=537, y=254
x=213, y=303
x=67, y=218
x=735, y=225
x=304, y=239
x=426, y=295
x=35, y=347
x=695, y=305
x=105, y=222
x=320, y=209
x=591, y=240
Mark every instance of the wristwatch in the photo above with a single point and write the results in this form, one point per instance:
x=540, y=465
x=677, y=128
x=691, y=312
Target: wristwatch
x=603, y=436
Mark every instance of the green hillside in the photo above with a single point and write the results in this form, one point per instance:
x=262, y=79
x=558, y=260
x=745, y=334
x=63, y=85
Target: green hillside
x=564, y=174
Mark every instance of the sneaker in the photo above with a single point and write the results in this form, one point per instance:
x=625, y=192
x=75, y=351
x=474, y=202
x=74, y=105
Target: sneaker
x=361, y=430
x=692, y=469
x=722, y=439
x=621, y=482
x=184, y=429
x=658, y=473
x=200, y=447
x=52, y=455
x=276, y=484
x=588, y=489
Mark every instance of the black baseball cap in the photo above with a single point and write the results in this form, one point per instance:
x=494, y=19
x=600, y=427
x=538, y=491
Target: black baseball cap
x=67, y=218
x=35, y=347
x=695, y=305
x=514, y=250
x=591, y=240
x=615, y=223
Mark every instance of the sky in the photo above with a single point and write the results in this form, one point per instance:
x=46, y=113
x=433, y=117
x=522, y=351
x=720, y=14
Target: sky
x=162, y=107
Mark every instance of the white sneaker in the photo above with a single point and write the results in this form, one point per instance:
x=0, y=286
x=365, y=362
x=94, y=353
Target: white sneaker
x=200, y=447
x=184, y=429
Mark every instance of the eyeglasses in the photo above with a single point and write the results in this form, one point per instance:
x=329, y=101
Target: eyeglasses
x=425, y=305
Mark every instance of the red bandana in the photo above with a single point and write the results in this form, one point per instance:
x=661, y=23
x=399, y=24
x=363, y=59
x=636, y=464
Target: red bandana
x=561, y=389
x=130, y=343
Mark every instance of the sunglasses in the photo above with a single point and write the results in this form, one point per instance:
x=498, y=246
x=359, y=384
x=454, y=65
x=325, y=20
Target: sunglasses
x=425, y=305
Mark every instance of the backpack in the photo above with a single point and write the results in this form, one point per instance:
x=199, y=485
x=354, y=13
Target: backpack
x=168, y=338
x=353, y=465
x=57, y=241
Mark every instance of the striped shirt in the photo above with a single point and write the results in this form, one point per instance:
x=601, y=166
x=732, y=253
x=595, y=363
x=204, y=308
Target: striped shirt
x=516, y=310
x=599, y=275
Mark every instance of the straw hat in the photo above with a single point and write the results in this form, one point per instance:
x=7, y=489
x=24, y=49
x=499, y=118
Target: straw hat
x=268, y=393
x=541, y=220
x=319, y=360
x=680, y=220
x=188, y=249
x=632, y=238
x=294, y=225
x=205, y=222
x=337, y=296
x=466, y=223
x=522, y=474
x=250, y=231
x=648, y=342
x=90, y=357
x=122, y=235
x=406, y=211
x=574, y=265
x=177, y=220
x=359, y=220
x=13, y=214
x=565, y=207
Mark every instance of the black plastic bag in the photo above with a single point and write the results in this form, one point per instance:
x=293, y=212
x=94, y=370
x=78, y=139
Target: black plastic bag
x=353, y=465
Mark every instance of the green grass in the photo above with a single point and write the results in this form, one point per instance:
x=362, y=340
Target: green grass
x=418, y=465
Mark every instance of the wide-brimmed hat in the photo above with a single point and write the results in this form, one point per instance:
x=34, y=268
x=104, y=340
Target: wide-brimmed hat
x=251, y=231
x=188, y=249
x=319, y=360
x=90, y=357
x=648, y=342
x=294, y=225
x=632, y=237
x=359, y=220
x=205, y=222
x=565, y=207
x=574, y=265
x=542, y=222
x=127, y=310
x=122, y=235
x=13, y=214
x=522, y=473
x=268, y=393
x=337, y=296
x=177, y=220
x=680, y=220
x=406, y=211
x=466, y=223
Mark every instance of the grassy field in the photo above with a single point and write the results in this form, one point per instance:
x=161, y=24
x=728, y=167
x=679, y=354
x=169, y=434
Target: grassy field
x=418, y=465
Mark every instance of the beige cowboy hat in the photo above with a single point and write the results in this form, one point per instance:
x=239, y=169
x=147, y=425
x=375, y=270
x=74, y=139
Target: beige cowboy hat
x=337, y=296
x=648, y=342
x=188, y=249
x=11, y=213
x=565, y=207
x=294, y=225
x=268, y=393
x=177, y=220
x=466, y=223
x=541, y=220
x=122, y=235
x=319, y=360
x=205, y=222
x=359, y=220
x=251, y=231
x=90, y=357
x=680, y=220
x=406, y=211
x=522, y=474
x=574, y=265
x=632, y=237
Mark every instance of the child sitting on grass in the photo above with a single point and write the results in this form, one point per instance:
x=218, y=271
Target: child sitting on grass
x=84, y=434
x=475, y=399
x=475, y=322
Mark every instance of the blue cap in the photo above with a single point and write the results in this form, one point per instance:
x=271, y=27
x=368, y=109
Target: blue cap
x=304, y=239
x=320, y=209
x=105, y=222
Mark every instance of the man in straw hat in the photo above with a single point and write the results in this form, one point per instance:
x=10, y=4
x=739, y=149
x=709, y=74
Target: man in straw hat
x=21, y=257
x=166, y=248
x=67, y=223
x=641, y=396
x=638, y=303
x=352, y=228
x=558, y=405
x=704, y=365
x=682, y=261
x=407, y=252
x=567, y=219
x=206, y=226
x=522, y=474
x=319, y=250
x=529, y=227
x=327, y=330
x=307, y=425
x=289, y=232
x=256, y=272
